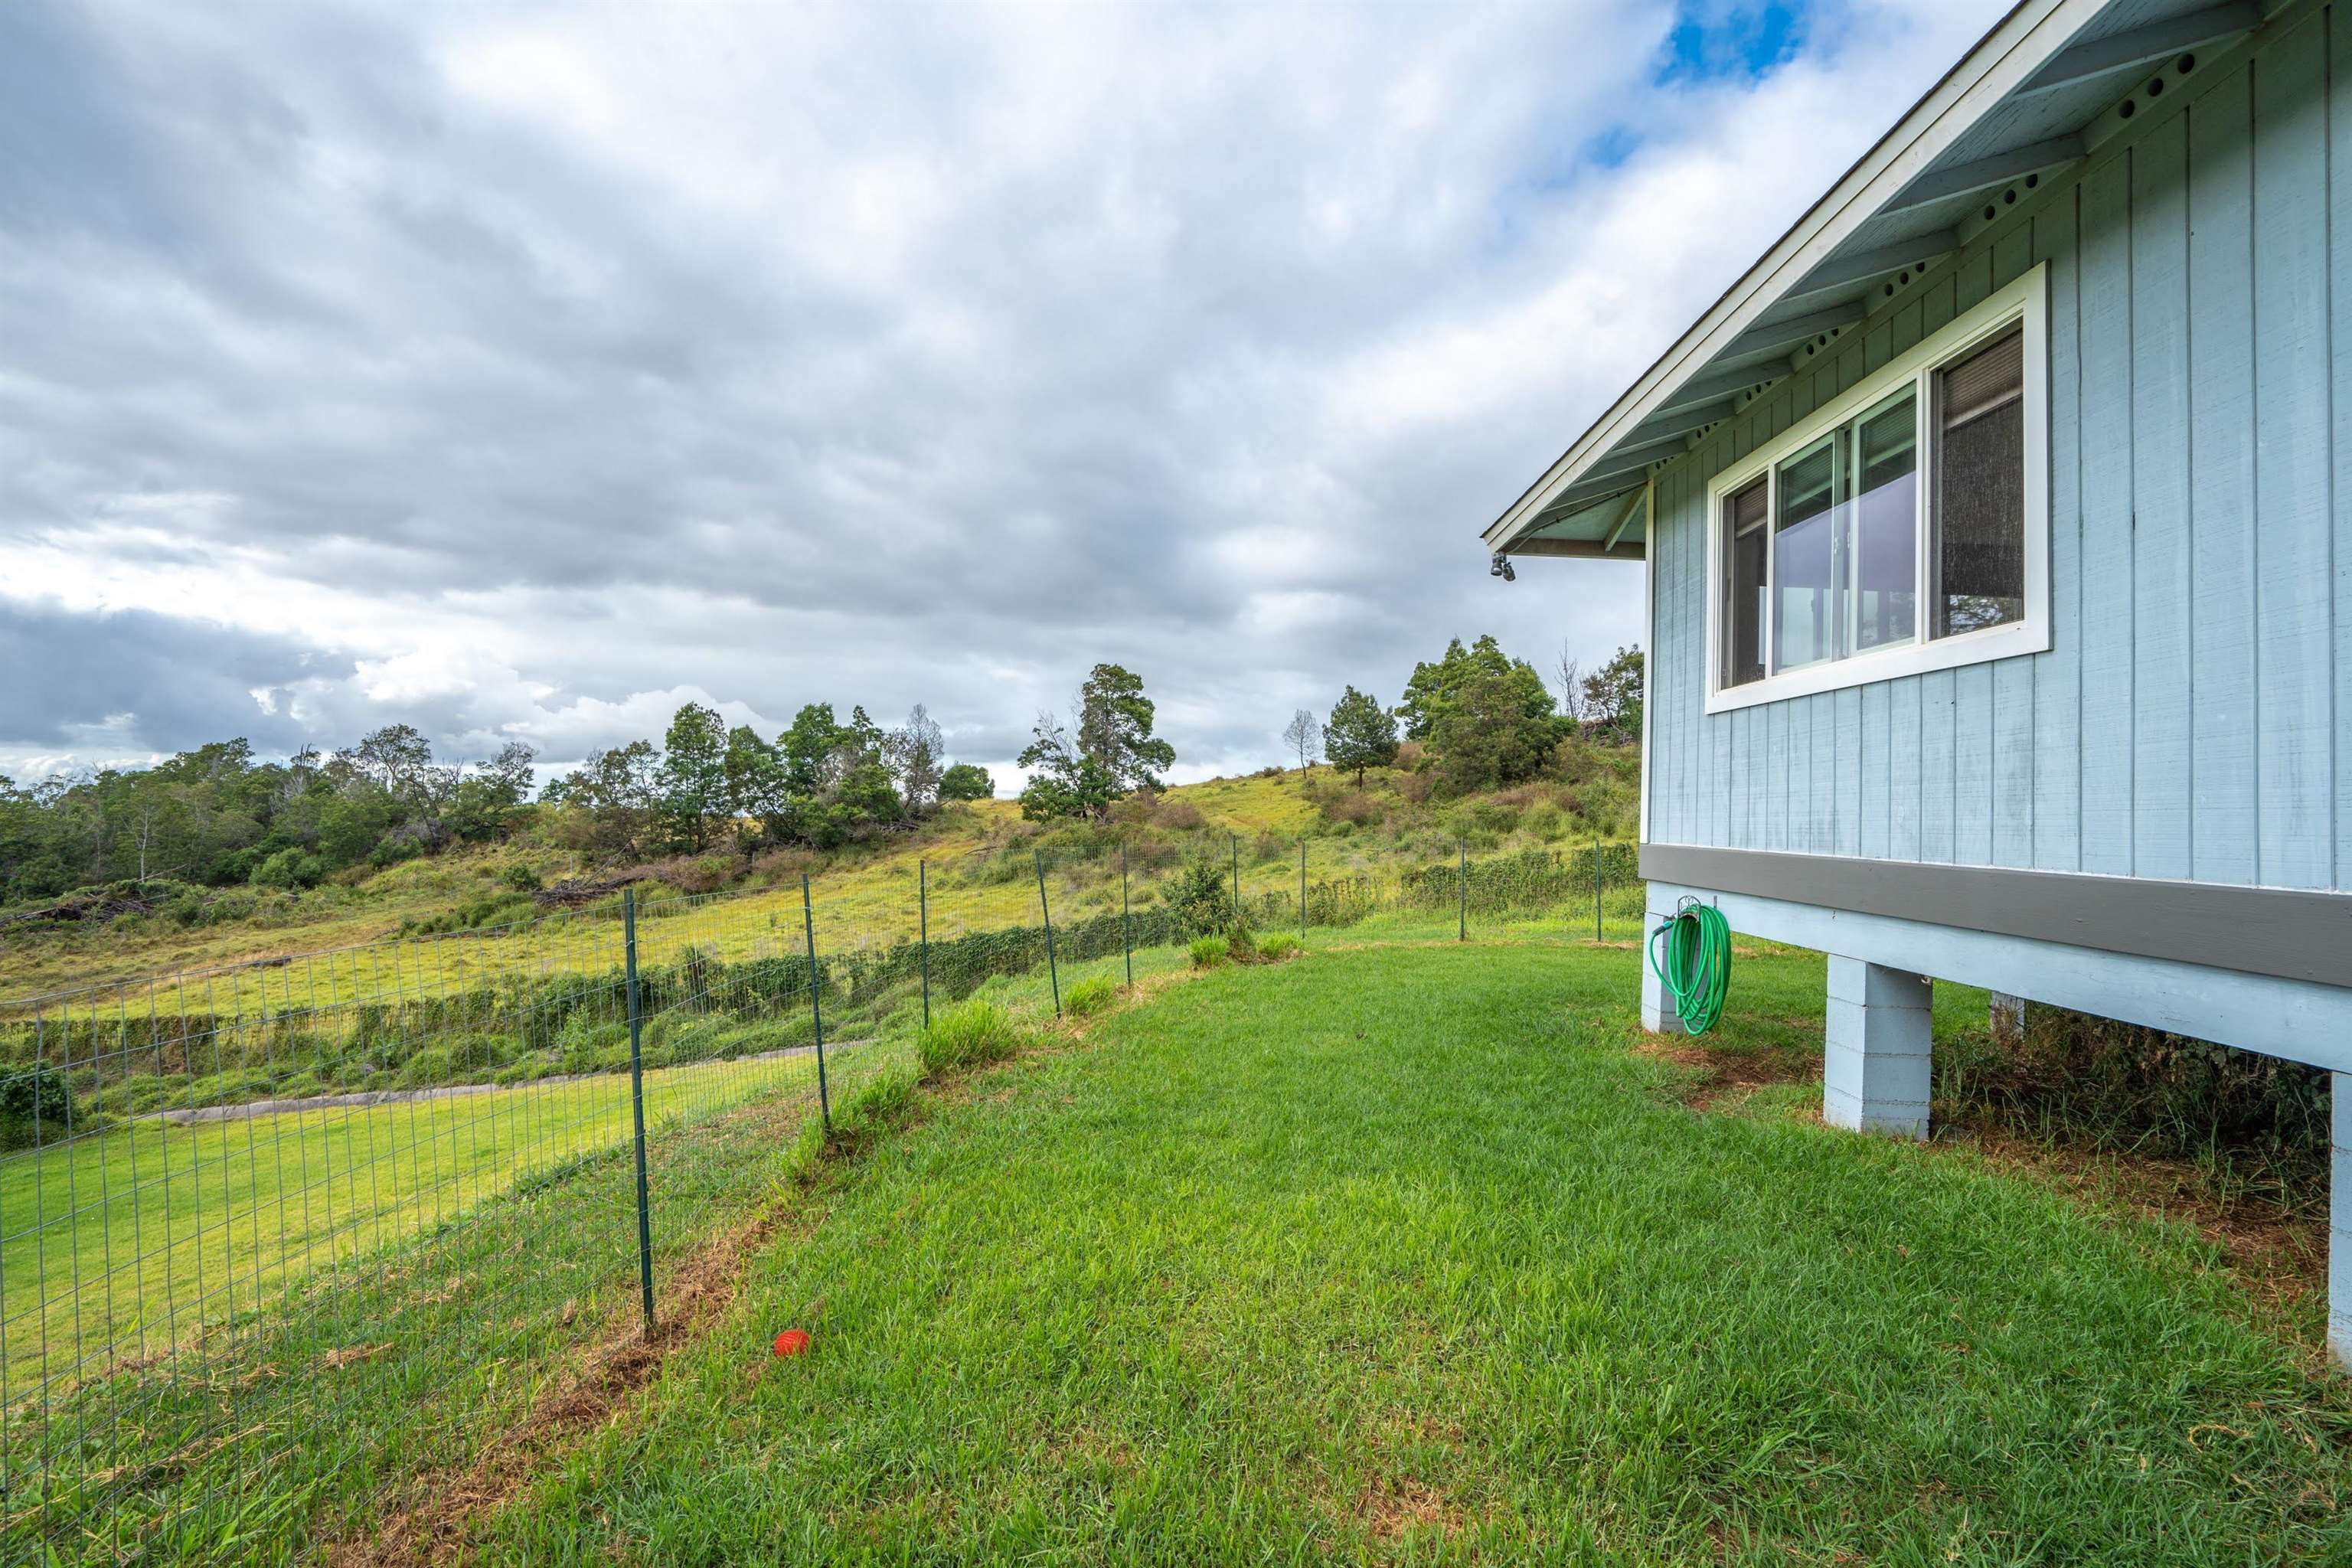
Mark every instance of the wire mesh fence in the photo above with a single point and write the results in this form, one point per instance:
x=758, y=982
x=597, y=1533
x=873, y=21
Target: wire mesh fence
x=275, y=1239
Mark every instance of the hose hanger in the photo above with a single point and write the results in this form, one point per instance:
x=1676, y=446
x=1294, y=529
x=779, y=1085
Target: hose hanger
x=1690, y=952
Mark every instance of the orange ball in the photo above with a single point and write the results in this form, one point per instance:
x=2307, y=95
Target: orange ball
x=791, y=1341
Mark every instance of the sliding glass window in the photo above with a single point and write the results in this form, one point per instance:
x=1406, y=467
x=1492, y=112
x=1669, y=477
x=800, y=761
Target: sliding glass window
x=1901, y=528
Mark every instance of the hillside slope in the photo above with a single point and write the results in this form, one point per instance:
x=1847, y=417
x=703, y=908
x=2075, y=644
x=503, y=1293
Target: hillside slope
x=978, y=860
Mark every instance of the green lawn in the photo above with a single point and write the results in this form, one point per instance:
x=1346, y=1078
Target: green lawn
x=278, y=1428
x=116, y=1246
x=1401, y=1253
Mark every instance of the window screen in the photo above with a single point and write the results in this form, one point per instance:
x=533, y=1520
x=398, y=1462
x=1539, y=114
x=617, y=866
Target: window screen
x=1887, y=523
x=1743, y=584
x=1809, y=559
x=1976, y=556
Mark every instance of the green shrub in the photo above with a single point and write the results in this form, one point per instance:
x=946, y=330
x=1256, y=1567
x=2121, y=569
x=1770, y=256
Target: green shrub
x=970, y=1035
x=300, y=1085
x=428, y=1069
x=36, y=1106
x=1492, y=818
x=478, y=1052
x=392, y=851
x=36, y=1093
x=1208, y=952
x=1089, y=997
x=291, y=867
x=139, y=1093
x=1203, y=898
x=583, y=1042
x=1274, y=949
x=1240, y=945
x=521, y=879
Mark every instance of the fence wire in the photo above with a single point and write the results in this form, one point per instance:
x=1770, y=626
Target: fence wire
x=275, y=1239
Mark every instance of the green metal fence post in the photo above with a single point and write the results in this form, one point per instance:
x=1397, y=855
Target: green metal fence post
x=1302, y=890
x=1126, y=916
x=1235, y=840
x=1053, y=973
x=816, y=1005
x=1462, y=883
x=638, y=1103
x=1596, y=889
x=923, y=904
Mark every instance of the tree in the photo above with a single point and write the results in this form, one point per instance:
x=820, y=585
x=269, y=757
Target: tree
x=1612, y=697
x=917, y=753
x=1360, y=733
x=808, y=748
x=352, y=822
x=1435, y=686
x=396, y=757
x=1303, y=736
x=755, y=787
x=488, y=800
x=693, y=775
x=1068, y=781
x=617, y=793
x=1202, y=899
x=1571, y=685
x=863, y=799
x=510, y=770
x=1486, y=738
x=1115, y=730
x=966, y=781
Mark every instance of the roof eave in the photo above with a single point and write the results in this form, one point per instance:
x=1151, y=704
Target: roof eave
x=2018, y=47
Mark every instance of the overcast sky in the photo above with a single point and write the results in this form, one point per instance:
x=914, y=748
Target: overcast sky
x=525, y=371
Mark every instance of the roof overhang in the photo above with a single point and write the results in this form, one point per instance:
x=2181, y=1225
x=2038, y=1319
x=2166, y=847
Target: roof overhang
x=2038, y=94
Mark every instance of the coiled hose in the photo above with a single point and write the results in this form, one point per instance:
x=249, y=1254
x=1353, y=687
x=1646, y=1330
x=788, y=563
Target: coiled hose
x=1697, y=968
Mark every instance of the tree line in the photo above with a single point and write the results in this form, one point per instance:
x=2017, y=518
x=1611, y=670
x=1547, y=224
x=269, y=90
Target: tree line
x=822, y=783
x=218, y=814
x=1480, y=718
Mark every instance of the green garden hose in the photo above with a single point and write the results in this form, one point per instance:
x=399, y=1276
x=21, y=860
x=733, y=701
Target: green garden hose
x=1697, y=968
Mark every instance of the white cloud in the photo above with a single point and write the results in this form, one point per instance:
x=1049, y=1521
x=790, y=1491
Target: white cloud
x=524, y=371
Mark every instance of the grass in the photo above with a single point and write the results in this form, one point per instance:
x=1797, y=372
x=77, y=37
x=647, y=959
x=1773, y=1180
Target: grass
x=1403, y=1254
x=275, y=1428
x=127, y=1240
x=114, y=1247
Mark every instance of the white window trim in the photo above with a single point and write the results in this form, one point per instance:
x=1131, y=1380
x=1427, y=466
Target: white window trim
x=2025, y=301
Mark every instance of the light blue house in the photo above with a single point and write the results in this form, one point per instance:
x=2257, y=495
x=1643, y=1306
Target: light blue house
x=1998, y=524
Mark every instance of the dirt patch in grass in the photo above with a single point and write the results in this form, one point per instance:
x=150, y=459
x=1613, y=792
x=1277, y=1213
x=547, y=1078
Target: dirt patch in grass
x=1716, y=1073
x=1392, y=1507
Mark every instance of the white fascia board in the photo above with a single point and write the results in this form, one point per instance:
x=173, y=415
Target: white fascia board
x=2020, y=44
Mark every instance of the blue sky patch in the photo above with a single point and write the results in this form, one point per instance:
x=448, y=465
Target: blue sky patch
x=1711, y=41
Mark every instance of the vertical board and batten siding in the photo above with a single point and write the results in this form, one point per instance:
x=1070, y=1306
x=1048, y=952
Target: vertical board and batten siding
x=2193, y=716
